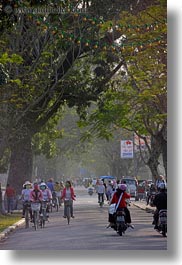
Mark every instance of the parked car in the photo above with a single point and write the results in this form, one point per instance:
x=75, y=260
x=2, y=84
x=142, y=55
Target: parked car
x=131, y=185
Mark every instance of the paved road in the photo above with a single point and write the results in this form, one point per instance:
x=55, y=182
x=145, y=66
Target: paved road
x=87, y=231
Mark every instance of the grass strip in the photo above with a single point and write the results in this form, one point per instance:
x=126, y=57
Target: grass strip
x=8, y=220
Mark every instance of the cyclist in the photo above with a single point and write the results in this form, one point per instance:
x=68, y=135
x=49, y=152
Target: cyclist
x=47, y=196
x=68, y=194
x=36, y=194
x=25, y=197
x=57, y=189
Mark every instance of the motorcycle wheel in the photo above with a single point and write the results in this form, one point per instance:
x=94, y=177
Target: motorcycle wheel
x=120, y=231
x=164, y=230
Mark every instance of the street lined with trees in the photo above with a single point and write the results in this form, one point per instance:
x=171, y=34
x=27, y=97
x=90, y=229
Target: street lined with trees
x=108, y=62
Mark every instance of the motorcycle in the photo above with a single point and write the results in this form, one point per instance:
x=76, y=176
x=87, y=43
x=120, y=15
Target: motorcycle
x=151, y=198
x=162, y=222
x=90, y=191
x=118, y=221
x=121, y=225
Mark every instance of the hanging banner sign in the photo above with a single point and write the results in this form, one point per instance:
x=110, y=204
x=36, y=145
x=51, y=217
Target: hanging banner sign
x=126, y=149
x=139, y=143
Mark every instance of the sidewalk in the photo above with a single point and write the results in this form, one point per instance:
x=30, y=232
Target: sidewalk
x=142, y=205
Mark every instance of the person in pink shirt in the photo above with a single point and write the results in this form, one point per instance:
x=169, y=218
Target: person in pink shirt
x=36, y=194
x=68, y=194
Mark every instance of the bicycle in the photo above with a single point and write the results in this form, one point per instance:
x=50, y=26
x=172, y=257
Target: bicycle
x=54, y=202
x=43, y=215
x=35, y=211
x=27, y=206
x=68, y=204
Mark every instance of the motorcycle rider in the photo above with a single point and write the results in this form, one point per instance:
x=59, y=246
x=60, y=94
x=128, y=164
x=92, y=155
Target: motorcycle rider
x=151, y=190
x=121, y=190
x=160, y=201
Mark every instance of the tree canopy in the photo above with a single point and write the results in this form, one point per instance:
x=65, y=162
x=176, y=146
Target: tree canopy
x=51, y=58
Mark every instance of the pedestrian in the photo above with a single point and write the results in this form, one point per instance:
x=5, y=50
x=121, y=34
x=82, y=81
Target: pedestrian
x=101, y=191
x=160, y=180
x=68, y=194
x=10, y=196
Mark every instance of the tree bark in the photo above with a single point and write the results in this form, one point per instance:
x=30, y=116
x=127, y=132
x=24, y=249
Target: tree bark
x=21, y=163
x=164, y=156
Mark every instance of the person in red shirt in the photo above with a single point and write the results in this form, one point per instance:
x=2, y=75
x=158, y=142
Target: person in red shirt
x=10, y=196
x=122, y=190
x=68, y=194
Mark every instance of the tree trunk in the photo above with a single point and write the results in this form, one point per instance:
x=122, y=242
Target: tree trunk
x=21, y=163
x=153, y=165
x=164, y=156
x=155, y=151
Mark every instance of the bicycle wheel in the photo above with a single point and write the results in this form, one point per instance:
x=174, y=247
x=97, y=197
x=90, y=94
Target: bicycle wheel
x=36, y=221
x=57, y=205
x=26, y=218
x=68, y=214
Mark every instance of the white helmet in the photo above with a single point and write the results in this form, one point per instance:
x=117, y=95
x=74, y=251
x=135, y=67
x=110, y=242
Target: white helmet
x=42, y=184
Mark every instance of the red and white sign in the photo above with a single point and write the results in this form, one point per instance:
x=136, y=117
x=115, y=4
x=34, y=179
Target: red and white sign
x=126, y=149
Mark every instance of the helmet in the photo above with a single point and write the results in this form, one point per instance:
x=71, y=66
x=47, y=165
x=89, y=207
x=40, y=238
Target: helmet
x=162, y=186
x=122, y=187
x=43, y=185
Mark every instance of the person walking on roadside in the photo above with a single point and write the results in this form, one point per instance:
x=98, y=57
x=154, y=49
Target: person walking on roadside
x=160, y=180
x=68, y=194
x=10, y=196
x=101, y=190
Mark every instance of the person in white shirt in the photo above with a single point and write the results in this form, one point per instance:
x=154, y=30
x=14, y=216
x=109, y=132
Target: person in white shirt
x=47, y=195
x=101, y=191
x=25, y=197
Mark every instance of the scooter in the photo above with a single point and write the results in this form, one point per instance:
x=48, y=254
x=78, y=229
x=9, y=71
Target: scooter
x=162, y=222
x=90, y=191
x=121, y=225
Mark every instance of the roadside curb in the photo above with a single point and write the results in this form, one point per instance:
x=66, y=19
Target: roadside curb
x=10, y=229
x=145, y=207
